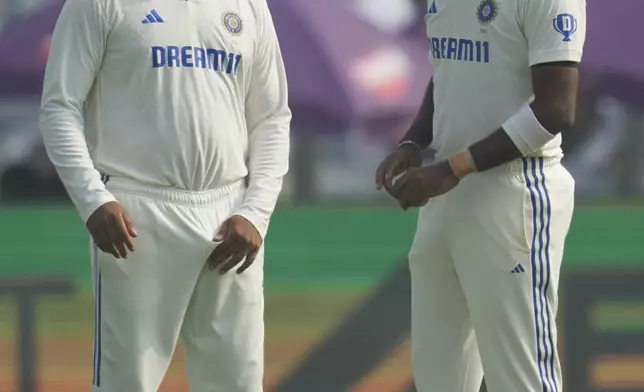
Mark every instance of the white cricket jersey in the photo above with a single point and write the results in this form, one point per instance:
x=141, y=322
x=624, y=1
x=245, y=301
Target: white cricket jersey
x=183, y=94
x=482, y=51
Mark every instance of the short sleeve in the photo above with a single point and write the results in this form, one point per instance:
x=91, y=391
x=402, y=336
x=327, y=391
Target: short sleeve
x=555, y=30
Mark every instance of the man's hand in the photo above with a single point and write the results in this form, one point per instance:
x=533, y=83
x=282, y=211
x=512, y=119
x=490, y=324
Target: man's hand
x=418, y=185
x=112, y=230
x=400, y=160
x=240, y=240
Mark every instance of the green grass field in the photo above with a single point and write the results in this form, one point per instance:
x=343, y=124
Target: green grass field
x=320, y=263
x=296, y=321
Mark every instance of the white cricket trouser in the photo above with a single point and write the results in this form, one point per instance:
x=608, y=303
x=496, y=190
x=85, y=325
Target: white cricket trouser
x=485, y=270
x=165, y=290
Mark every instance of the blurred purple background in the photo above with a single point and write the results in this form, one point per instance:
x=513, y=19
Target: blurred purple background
x=357, y=72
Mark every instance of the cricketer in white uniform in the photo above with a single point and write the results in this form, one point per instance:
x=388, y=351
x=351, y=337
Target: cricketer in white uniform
x=168, y=124
x=497, y=204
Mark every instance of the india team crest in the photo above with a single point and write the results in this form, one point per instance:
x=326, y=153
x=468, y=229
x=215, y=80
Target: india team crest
x=487, y=11
x=232, y=22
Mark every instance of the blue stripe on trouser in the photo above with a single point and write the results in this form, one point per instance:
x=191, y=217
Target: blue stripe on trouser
x=538, y=177
x=97, y=308
x=540, y=267
x=97, y=319
x=547, y=283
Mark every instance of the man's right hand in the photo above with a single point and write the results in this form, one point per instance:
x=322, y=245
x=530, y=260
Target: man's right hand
x=112, y=230
x=399, y=161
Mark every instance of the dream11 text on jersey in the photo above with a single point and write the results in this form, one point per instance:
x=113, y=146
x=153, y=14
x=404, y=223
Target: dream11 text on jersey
x=460, y=49
x=195, y=57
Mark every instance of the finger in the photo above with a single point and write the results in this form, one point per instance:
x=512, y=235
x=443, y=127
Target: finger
x=224, y=252
x=234, y=260
x=389, y=183
x=380, y=176
x=406, y=195
x=103, y=242
x=394, y=179
x=130, y=226
x=223, y=231
x=411, y=197
x=117, y=241
x=418, y=201
x=216, y=261
x=403, y=201
x=393, y=175
x=106, y=246
x=400, y=184
x=250, y=258
x=110, y=229
x=117, y=253
x=218, y=256
x=123, y=233
x=392, y=172
x=391, y=192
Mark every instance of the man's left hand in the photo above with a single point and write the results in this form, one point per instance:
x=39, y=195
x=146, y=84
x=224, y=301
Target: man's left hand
x=240, y=241
x=418, y=185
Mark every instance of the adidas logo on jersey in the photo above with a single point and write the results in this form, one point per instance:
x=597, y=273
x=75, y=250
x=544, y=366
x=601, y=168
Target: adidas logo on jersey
x=518, y=269
x=152, y=17
x=432, y=10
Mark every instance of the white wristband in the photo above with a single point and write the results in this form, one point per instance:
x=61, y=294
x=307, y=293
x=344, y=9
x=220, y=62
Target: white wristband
x=526, y=132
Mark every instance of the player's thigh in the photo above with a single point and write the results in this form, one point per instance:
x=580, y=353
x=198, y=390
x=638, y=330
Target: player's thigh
x=508, y=256
x=169, y=254
x=223, y=331
x=514, y=316
x=436, y=294
x=144, y=297
x=506, y=223
x=443, y=341
x=226, y=310
x=444, y=346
